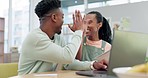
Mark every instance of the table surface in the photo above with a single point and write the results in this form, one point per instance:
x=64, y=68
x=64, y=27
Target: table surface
x=58, y=74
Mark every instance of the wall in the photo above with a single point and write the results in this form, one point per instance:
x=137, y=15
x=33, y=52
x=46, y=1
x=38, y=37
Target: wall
x=136, y=12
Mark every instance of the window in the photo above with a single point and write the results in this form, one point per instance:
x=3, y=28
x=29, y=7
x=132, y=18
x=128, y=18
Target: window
x=19, y=11
x=4, y=5
x=71, y=9
x=132, y=1
x=97, y=4
x=20, y=21
x=116, y=2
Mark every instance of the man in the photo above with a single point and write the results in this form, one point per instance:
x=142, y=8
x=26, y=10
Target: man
x=43, y=48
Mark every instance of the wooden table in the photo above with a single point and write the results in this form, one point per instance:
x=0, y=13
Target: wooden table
x=58, y=74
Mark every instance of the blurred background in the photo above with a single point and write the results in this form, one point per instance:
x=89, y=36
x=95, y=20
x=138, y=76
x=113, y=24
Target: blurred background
x=20, y=19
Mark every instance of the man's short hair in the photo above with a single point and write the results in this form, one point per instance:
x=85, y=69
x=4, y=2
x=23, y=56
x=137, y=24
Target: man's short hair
x=46, y=6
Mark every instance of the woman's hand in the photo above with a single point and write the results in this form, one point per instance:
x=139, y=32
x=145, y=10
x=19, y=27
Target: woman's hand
x=77, y=22
x=101, y=65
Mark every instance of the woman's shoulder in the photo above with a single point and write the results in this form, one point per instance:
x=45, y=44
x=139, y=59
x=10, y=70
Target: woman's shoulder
x=107, y=46
x=106, y=43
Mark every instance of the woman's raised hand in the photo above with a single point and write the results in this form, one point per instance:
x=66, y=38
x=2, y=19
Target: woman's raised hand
x=78, y=23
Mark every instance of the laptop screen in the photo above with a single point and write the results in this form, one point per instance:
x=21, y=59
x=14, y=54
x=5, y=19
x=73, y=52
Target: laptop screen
x=128, y=49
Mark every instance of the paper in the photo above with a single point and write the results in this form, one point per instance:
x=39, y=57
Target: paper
x=45, y=74
x=105, y=56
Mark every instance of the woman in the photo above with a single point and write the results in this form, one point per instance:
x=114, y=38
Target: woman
x=97, y=39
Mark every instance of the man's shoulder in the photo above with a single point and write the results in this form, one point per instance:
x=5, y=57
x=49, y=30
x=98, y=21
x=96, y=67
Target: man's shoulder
x=59, y=39
x=37, y=32
x=35, y=35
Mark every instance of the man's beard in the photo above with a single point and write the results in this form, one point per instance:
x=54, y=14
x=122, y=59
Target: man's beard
x=59, y=33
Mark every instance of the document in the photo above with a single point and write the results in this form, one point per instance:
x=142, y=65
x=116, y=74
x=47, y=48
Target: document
x=45, y=74
x=105, y=56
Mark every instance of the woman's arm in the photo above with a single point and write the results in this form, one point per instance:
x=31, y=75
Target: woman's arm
x=79, y=54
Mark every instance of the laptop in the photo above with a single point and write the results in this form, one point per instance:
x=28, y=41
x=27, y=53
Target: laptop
x=128, y=49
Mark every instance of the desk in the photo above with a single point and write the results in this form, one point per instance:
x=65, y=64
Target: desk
x=58, y=74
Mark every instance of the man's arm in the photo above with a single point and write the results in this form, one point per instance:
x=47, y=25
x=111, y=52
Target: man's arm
x=48, y=51
x=78, y=65
x=86, y=65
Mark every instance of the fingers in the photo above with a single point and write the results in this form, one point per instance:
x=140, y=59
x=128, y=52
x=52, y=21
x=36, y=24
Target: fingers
x=77, y=21
x=105, y=62
x=83, y=18
x=99, y=65
x=72, y=27
x=69, y=26
x=76, y=15
x=73, y=17
x=80, y=16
